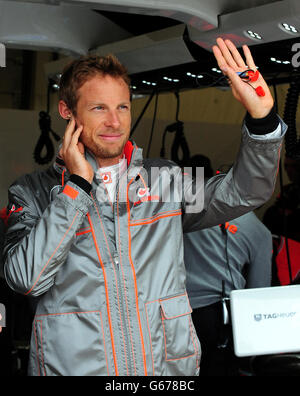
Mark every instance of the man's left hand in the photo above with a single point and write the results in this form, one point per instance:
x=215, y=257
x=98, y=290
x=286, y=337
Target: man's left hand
x=230, y=62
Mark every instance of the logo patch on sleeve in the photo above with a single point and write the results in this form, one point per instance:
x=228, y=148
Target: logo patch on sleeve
x=143, y=192
x=14, y=208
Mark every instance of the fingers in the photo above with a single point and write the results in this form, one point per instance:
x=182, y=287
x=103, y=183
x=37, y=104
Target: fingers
x=68, y=133
x=71, y=137
x=75, y=136
x=219, y=57
x=230, y=54
x=249, y=59
x=227, y=54
x=236, y=55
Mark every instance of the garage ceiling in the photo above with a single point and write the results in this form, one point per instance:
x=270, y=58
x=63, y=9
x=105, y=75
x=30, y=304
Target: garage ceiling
x=165, y=44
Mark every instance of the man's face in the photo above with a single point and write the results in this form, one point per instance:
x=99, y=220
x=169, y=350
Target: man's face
x=104, y=110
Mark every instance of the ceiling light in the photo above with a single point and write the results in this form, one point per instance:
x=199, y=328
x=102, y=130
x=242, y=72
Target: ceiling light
x=288, y=28
x=149, y=83
x=171, y=79
x=253, y=35
x=191, y=75
x=286, y=62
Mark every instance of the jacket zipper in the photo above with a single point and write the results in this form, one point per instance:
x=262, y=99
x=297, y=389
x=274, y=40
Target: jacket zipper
x=125, y=329
x=116, y=260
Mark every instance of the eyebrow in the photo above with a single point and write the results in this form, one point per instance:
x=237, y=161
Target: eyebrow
x=104, y=104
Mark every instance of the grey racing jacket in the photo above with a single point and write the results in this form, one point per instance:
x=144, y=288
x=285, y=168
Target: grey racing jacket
x=110, y=276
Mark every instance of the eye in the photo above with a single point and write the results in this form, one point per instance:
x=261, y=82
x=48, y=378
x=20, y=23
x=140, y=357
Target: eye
x=98, y=108
x=124, y=107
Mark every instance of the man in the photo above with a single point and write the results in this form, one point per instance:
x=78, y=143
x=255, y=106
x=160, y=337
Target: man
x=282, y=218
x=109, y=268
x=231, y=256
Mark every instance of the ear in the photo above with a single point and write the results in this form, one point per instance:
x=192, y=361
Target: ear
x=64, y=111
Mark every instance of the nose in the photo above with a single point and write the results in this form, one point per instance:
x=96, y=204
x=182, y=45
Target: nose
x=112, y=120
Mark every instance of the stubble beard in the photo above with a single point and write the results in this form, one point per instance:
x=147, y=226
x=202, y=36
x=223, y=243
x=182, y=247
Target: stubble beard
x=106, y=153
x=101, y=151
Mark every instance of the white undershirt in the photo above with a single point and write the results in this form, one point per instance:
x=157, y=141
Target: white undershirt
x=110, y=176
x=272, y=135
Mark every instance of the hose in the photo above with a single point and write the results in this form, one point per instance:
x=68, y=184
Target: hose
x=44, y=140
x=179, y=141
x=292, y=147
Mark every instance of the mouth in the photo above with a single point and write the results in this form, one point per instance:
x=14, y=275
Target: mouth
x=110, y=138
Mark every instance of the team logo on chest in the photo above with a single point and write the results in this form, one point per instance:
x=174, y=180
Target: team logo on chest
x=143, y=192
x=106, y=177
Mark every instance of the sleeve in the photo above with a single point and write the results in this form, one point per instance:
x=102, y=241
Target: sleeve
x=37, y=242
x=267, y=127
x=248, y=184
x=260, y=265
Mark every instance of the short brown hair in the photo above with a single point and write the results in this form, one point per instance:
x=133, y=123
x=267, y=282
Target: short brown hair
x=79, y=71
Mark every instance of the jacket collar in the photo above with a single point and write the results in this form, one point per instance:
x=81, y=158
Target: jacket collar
x=132, y=153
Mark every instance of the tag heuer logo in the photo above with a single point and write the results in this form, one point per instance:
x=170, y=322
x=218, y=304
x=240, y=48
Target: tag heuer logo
x=281, y=315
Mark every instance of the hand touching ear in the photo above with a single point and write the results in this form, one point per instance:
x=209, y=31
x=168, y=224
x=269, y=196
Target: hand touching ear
x=231, y=62
x=72, y=152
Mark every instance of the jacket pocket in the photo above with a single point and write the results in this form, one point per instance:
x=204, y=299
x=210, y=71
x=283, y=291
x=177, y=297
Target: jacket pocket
x=71, y=344
x=180, y=340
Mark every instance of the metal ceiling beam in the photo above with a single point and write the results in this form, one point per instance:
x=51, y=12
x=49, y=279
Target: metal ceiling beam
x=58, y=29
x=156, y=50
x=201, y=14
x=265, y=21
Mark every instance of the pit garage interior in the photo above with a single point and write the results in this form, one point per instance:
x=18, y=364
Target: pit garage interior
x=176, y=85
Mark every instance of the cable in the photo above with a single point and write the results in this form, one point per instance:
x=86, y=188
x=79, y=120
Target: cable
x=44, y=139
x=289, y=117
x=224, y=231
x=179, y=140
x=220, y=79
x=142, y=113
x=153, y=123
x=178, y=105
x=281, y=192
x=291, y=147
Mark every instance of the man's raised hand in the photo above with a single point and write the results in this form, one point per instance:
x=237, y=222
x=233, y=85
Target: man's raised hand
x=231, y=63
